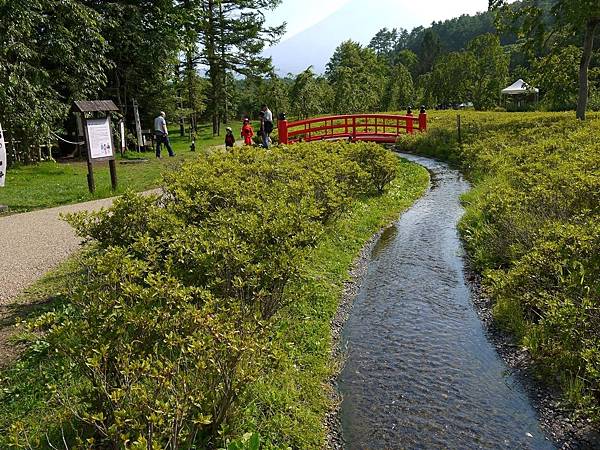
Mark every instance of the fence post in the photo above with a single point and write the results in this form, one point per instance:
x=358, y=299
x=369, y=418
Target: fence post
x=423, y=119
x=409, y=121
x=282, y=129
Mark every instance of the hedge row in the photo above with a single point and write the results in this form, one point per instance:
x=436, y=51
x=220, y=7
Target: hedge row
x=532, y=227
x=177, y=317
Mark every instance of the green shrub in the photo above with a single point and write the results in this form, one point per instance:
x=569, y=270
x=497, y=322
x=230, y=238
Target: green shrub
x=177, y=314
x=531, y=228
x=377, y=162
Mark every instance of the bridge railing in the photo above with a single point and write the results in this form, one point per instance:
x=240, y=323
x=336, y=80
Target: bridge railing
x=383, y=128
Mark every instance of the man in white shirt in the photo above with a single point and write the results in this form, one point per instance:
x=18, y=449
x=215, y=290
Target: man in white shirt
x=267, y=125
x=162, y=134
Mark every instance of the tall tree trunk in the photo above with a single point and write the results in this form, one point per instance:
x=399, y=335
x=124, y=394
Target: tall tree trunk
x=191, y=81
x=588, y=47
x=190, y=69
x=213, y=65
x=225, y=100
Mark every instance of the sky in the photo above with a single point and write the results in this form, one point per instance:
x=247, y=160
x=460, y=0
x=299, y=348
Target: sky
x=316, y=27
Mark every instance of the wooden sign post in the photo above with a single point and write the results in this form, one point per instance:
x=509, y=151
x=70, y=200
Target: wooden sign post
x=3, y=161
x=96, y=121
x=3, y=165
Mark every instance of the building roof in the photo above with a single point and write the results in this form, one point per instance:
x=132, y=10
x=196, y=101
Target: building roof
x=519, y=87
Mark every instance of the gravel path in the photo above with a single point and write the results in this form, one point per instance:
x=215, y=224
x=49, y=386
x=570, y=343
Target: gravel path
x=33, y=243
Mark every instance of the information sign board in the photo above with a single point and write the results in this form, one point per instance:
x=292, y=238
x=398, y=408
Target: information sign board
x=100, y=144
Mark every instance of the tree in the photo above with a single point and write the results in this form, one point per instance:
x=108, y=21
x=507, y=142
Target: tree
x=143, y=38
x=308, y=94
x=408, y=59
x=384, y=43
x=571, y=17
x=357, y=78
x=399, y=90
x=490, y=71
x=451, y=80
x=556, y=76
x=232, y=35
x=431, y=48
x=51, y=53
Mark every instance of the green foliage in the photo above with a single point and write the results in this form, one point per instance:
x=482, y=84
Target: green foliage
x=133, y=30
x=377, y=162
x=556, y=76
x=179, y=314
x=450, y=81
x=356, y=77
x=477, y=75
x=562, y=22
x=27, y=185
x=399, y=90
x=45, y=65
x=490, y=71
x=531, y=227
x=309, y=95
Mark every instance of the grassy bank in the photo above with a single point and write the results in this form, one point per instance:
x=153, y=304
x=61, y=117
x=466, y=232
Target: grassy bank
x=49, y=184
x=285, y=361
x=532, y=228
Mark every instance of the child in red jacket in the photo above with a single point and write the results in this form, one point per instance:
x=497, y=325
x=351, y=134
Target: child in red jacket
x=247, y=132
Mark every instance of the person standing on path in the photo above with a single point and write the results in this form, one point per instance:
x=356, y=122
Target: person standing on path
x=162, y=134
x=247, y=132
x=229, y=138
x=266, y=125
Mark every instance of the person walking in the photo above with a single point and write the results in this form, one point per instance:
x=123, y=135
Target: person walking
x=229, y=138
x=161, y=133
x=266, y=125
x=261, y=129
x=247, y=132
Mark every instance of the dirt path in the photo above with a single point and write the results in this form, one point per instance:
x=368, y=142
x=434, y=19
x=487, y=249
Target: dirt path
x=32, y=244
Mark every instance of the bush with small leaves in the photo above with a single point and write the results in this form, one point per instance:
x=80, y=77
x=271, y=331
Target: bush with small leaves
x=173, y=317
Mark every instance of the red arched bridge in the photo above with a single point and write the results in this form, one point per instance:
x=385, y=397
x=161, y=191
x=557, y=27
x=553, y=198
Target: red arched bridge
x=384, y=128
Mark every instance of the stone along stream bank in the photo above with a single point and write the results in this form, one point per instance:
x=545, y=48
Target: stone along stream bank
x=420, y=372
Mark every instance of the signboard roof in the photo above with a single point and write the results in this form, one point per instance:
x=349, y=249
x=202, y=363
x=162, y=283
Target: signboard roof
x=95, y=106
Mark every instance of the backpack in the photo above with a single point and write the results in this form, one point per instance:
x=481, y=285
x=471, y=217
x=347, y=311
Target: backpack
x=268, y=126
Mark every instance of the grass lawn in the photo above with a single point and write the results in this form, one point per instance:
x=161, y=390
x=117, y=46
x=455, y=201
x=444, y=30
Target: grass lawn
x=49, y=184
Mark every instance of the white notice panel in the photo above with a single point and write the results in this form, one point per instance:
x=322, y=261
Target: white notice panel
x=2, y=158
x=122, y=126
x=99, y=138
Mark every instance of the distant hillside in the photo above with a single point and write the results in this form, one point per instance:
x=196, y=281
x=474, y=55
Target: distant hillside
x=456, y=33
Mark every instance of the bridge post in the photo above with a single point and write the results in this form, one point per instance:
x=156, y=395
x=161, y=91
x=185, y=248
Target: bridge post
x=282, y=129
x=423, y=119
x=409, y=121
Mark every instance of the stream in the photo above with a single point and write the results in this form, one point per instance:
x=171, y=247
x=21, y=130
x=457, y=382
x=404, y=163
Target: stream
x=420, y=372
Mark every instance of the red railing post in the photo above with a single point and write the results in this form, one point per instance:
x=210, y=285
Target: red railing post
x=409, y=122
x=353, y=128
x=423, y=119
x=282, y=129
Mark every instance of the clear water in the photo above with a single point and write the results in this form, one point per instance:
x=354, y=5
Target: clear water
x=420, y=372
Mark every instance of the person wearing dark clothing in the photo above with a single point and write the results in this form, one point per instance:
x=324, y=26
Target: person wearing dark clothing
x=266, y=125
x=161, y=133
x=229, y=138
